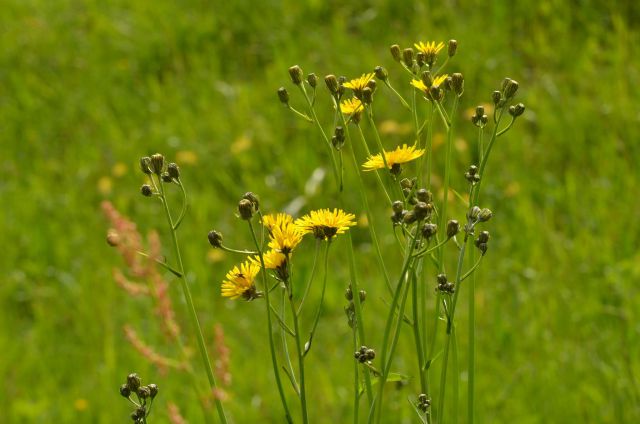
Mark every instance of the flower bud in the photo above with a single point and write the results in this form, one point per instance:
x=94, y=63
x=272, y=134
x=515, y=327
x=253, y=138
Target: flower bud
x=395, y=52
x=483, y=237
x=146, y=190
x=407, y=56
x=422, y=210
x=348, y=294
x=407, y=183
x=157, y=163
x=441, y=279
x=381, y=73
x=482, y=247
x=421, y=59
x=143, y=392
x=453, y=227
x=485, y=215
x=496, y=96
x=457, y=83
x=295, y=72
x=436, y=93
x=153, y=390
x=166, y=177
x=397, y=206
x=424, y=195
x=215, y=238
x=453, y=47
x=125, y=391
x=409, y=218
x=426, y=78
x=174, y=171
x=362, y=295
x=283, y=95
x=367, y=96
x=145, y=165
x=509, y=87
x=133, y=382
x=253, y=198
x=370, y=354
x=516, y=110
x=429, y=230
x=332, y=83
x=396, y=169
x=473, y=213
x=312, y=80
x=245, y=209
x=479, y=111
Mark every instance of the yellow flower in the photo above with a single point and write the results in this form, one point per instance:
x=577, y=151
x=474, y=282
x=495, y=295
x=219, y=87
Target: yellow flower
x=285, y=238
x=399, y=156
x=351, y=106
x=358, y=84
x=272, y=259
x=429, y=48
x=437, y=81
x=326, y=224
x=276, y=220
x=239, y=282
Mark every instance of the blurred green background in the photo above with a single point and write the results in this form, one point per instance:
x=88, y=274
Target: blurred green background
x=87, y=87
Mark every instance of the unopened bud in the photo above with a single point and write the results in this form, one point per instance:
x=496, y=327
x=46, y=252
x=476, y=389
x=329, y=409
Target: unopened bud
x=395, y=52
x=174, y=171
x=509, y=87
x=381, y=73
x=473, y=213
x=483, y=237
x=166, y=177
x=283, y=95
x=479, y=111
x=429, y=230
x=133, y=382
x=409, y=218
x=245, y=209
x=144, y=392
x=153, y=390
x=422, y=210
x=453, y=227
x=441, y=279
x=436, y=93
x=496, y=96
x=421, y=59
x=516, y=110
x=145, y=165
x=424, y=195
x=312, y=80
x=407, y=56
x=367, y=96
x=125, y=391
x=453, y=47
x=295, y=72
x=426, y=78
x=362, y=295
x=332, y=83
x=215, y=238
x=485, y=215
x=397, y=206
x=157, y=163
x=146, y=190
x=253, y=198
x=457, y=83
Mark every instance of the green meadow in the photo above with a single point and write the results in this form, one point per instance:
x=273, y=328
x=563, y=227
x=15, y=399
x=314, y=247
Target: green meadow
x=87, y=87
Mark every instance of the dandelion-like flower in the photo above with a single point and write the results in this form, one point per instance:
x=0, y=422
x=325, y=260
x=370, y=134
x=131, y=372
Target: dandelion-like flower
x=437, y=81
x=276, y=261
x=280, y=220
x=285, y=238
x=351, y=106
x=397, y=157
x=430, y=50
x=326, y=224
x=239, y=282
x=358, y=84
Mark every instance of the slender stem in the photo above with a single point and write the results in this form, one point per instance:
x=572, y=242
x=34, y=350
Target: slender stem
x=447, y=174
x=472, y=341
x=313, y=272
x=274, y=360
x=402, y=100
x=456, y=374
x=356, y=379
x=185, y=206
x=368, y=152
x=242, y=252
x=202, y=347
x=324, y=287
x=369, y=113
x=416, y=330
x=296, y=328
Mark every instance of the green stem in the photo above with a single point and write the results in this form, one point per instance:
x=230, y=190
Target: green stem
x=356, y=380
x=313, y=272
x=472, y=343
x=274, y=360
x=191, y=307
x=324, y=286
x=416, y=331
x=447, y=176
x=296, y=328
x=368, y=152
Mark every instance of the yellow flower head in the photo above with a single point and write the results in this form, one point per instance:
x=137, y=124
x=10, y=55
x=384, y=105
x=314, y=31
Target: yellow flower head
x=239, y=282
x=285, y=238
x=399, y=156
x=358, y=84
x=272, y=259
x=430, y=50
x=326, y=224
x=280, y=220
x=437, y=81
x=351, y=106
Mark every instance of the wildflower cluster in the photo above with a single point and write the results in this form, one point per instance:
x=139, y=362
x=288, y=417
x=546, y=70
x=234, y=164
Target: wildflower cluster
x=144, y=397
